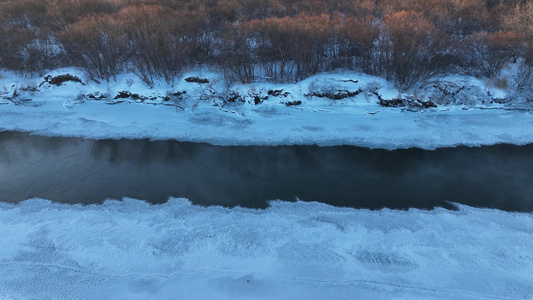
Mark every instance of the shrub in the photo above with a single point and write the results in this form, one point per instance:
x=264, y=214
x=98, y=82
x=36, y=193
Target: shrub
x=95, y=44
x=406, y=49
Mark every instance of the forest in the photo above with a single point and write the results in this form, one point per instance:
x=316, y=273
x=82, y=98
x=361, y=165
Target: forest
x=404, y=41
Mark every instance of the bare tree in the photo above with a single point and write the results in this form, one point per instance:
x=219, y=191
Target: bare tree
x=94, y=43
x=406, y=49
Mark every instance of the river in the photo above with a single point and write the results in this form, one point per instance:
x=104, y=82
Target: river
x=73, y=170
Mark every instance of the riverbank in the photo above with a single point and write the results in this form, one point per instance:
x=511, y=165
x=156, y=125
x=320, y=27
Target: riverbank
x=134, y=250
x=306, y=112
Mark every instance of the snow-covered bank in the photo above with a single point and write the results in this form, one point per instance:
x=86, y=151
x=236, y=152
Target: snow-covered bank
x=132, y=250
x=390, y=128
x=267, y=114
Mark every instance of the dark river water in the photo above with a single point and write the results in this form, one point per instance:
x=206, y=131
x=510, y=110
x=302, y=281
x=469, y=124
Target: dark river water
x=72, y=170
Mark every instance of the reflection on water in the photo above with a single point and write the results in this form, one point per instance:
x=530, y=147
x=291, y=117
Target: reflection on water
x=89, y=171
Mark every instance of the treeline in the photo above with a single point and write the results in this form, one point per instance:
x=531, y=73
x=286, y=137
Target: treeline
x=277, y=40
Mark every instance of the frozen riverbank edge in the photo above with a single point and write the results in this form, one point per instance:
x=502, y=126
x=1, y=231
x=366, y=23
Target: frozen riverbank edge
x=130, y=249
x=265, y=113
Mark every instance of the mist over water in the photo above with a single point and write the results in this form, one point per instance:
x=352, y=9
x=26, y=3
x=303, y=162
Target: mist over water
x=71, y=170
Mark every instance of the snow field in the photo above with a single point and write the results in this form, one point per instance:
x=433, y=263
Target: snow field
x=132, y=250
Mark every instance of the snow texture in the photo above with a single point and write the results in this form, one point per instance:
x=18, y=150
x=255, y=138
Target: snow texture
x=132, y=250
x=202, y=115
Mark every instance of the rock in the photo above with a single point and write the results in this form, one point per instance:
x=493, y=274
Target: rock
x=197, y=79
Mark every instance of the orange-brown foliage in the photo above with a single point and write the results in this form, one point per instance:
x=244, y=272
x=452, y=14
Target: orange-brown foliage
x=288, y=39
